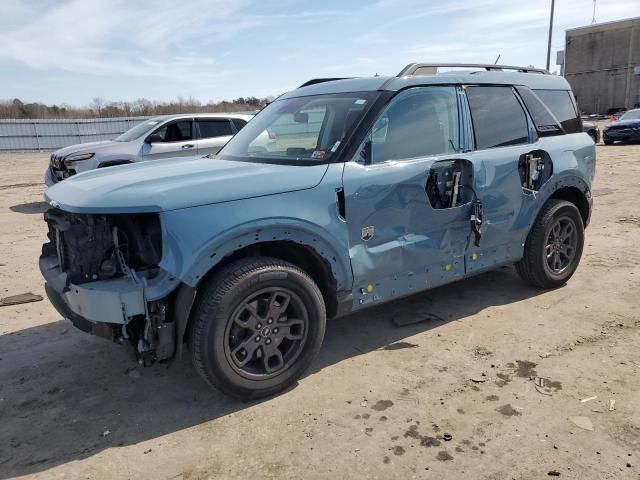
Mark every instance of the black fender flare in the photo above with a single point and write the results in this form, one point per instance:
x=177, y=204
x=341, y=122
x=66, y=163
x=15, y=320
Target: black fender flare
x=180, y=311
x=554, y=189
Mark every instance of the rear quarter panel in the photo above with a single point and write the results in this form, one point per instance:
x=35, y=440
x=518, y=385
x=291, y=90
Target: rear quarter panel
x=574, y=163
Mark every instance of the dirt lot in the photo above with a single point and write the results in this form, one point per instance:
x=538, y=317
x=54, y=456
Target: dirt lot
x=443, y=398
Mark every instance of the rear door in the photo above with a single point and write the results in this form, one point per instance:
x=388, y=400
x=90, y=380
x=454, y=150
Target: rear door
x=177, y=139
x=503, y=137
x=213, y=133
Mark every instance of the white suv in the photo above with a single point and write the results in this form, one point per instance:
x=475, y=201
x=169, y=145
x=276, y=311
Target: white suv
x=168, y=136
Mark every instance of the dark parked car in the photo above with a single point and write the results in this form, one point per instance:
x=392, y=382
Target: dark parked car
x=627, y=128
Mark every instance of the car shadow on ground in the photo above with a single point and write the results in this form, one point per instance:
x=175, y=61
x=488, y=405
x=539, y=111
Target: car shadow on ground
x=65, y=396
x=30, y=208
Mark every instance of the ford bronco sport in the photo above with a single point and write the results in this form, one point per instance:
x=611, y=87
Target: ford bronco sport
x=371, y=189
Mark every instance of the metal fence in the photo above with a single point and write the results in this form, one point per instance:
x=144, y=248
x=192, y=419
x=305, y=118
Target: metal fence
x=51, y=134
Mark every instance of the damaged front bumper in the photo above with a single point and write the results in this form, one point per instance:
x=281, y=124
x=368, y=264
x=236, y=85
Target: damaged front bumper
x=120, y=309
x=111, y=301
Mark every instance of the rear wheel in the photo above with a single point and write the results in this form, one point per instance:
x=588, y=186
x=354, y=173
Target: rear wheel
x=554, y=246
x=257, y=326
x=607, y=141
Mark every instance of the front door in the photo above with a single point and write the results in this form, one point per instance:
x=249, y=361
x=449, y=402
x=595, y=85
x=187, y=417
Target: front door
x=177, y=139
x=409, y=196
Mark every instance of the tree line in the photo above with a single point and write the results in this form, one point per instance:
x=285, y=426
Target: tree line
x=99, y=108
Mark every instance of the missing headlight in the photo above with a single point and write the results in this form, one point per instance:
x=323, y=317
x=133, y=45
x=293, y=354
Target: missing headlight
x=86, y=249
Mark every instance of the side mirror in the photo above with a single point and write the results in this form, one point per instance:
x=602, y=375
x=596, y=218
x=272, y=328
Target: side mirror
x=364, y=154
x=301, y=117
x=153, y=138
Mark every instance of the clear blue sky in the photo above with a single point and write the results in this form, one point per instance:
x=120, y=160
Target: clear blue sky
x=70, y=51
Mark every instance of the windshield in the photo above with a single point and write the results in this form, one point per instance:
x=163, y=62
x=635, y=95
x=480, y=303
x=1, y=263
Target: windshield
x=137, y=131
x=304, y=129
x=631, y=115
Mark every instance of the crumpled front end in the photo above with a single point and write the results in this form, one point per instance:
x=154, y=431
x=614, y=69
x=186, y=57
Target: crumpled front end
x=102, y=273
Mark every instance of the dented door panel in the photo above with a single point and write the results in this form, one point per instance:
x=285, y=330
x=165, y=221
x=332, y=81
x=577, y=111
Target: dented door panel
x=500, y=191
x=414, y=246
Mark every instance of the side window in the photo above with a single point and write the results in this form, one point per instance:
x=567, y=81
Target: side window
x=238, y=123
x=418, y=122
x=214, y=128
x=498, y=119
x=561, y=105
x=176, y=131
x=543, y=118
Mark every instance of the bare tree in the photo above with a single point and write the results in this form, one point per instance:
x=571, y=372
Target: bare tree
x=141, y=107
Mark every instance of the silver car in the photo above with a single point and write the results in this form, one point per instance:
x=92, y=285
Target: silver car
x=160, y=137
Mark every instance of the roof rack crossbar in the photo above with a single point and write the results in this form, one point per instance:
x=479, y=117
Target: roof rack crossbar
x=412, y=68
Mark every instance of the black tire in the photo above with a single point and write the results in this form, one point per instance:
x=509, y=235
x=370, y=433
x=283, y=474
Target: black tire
x=229, y=314
x=607, y=141
x=536, y=267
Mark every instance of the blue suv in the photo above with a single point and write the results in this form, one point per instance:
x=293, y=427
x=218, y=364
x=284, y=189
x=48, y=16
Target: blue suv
x=340, y=195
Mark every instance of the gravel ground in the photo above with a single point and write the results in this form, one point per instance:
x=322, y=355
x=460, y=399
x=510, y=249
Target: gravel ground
x=451, y=396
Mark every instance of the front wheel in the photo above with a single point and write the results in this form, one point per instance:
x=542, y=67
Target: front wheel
x=554, y=246
x=607, y=141
x=257, y=326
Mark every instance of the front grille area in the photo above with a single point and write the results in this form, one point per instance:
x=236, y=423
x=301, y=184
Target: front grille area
x=87, y=246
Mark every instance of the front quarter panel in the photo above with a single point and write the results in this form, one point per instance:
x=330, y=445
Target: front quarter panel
x=198, y=238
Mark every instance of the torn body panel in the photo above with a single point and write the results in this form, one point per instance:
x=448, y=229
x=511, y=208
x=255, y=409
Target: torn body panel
x=421, y=241
x=414, y=245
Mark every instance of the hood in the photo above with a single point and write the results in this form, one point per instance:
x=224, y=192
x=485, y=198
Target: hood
x=170, y=184
x=632, y=122
x=91, y=147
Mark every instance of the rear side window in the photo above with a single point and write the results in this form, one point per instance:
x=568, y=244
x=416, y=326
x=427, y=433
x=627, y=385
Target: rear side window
x=238, y=123
x=498, y=118
x=214, y=128
x=545, y=123
x=561, y=105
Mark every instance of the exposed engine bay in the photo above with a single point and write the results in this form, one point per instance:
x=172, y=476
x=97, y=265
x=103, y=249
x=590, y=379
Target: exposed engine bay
x=91, y=248
x=99, y=247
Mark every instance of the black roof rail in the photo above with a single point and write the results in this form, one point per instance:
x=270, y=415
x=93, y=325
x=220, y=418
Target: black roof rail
x=412, y=68
x=313, y=81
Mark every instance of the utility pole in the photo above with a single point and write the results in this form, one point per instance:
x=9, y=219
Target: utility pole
x=553, y=2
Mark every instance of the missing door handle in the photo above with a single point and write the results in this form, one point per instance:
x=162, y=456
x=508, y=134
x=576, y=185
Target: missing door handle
x=340, y=204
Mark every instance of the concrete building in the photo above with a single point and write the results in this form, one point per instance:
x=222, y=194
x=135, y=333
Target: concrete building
x=602, y=64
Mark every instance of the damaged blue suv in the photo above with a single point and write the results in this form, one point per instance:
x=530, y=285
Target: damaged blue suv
x=338, y=196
